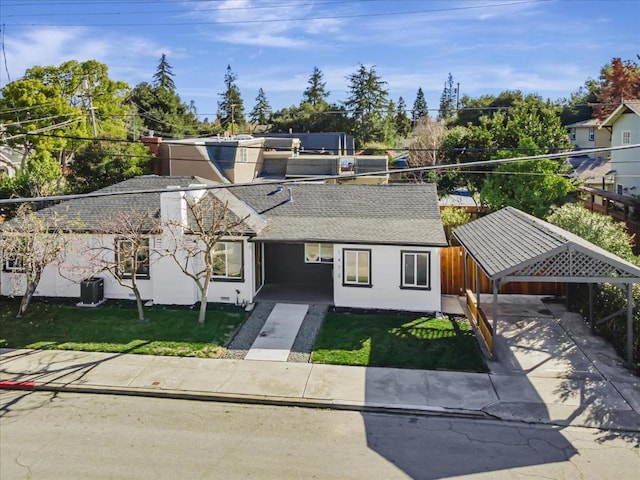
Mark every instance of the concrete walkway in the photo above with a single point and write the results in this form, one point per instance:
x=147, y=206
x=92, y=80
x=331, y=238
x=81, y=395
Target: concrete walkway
x=278, y=333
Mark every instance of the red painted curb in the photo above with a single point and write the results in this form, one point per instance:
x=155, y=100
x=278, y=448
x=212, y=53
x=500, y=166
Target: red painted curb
x=8, y=384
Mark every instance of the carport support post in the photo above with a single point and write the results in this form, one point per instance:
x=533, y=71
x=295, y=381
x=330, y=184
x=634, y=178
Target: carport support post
x=495, y=308
x=630, y=324
x=592, y=324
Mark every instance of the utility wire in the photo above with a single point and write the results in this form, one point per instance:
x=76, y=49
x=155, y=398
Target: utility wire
x=314, y=179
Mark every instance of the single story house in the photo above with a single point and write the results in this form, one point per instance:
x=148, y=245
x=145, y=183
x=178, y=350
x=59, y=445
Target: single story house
x=361, y=246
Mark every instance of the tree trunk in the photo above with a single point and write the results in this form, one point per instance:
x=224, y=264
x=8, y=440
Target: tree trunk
x=203, y=299
x=139, y=305
x=26, y=298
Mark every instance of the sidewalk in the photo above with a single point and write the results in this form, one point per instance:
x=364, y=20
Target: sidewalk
x=304, y=384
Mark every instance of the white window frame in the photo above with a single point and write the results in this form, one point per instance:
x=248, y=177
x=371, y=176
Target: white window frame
x=146, y=264
x=592, y=134
x=357, y=252
x=415, y=285
x=243, y=155
x=572, y=132
x=626, y=137
x=13, y=264
x=222, y=248
x=321, y=256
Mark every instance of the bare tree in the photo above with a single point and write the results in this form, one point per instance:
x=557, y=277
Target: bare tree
x=123, y=250
x=196, y=246
x=31, y=242
x=424, y=148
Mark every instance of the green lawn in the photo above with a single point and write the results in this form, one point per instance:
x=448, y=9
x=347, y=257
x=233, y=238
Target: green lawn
x=398, y=341
x=116, y=329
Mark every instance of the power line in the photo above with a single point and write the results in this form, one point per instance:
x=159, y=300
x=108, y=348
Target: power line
x=279, y=20
x=316, y=179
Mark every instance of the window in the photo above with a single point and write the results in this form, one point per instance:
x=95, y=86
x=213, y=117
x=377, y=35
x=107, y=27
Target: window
x=243, y=154
x=626, y=137
x=131, y=261
x=228, y=261
x=592, y=134
x=620, y=189
x=357, y=268
x=13, y=264
x=415, y=270
x=318, y=253
x=573, y=134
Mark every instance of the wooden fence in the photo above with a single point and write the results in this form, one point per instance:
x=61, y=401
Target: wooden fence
x=452, y=278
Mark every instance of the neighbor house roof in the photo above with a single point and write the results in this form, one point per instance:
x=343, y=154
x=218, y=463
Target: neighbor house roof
x=378, y=214
x=592, y=122
x=629, y=105
x=512, y=243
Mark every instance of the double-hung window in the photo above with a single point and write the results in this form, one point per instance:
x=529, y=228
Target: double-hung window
x=592, y=134
x=228, y=261
x=415, y=270
x=626, y=137
x=133, y=258
x=318, y=253
x=573, y=134
x=356, y=268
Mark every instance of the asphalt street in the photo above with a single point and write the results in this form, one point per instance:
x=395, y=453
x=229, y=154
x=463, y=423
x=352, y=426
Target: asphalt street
x=65, y=435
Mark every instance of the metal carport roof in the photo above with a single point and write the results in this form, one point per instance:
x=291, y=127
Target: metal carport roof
x=510, y=245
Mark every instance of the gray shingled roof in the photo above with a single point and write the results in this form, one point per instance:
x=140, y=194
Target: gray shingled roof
x=507, y=241
x=89, y=213
x=379, y=214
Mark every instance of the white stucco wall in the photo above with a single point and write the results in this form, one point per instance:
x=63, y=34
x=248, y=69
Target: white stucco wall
x=385, y=291
x=626, y=163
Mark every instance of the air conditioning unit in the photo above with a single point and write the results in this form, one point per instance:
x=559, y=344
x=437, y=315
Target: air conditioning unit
x=92, y=291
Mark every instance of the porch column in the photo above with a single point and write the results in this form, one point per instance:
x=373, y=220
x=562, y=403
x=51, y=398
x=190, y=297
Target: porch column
x=477, y=285
x=466, y=271
x=495, y=308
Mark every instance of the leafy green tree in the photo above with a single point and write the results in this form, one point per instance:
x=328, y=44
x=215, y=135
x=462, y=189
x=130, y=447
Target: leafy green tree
x=448, y=100
x=594, y=227
x=452, y=218
x=472, y=110
x=389, y=129
x=578, y=106
x=613, y=237
x=103, y=163
x=420, y=108
x=231, y=106
x=368, y=103
x=261, y=112
x=306, y=118
x=530, y=126
x=532, y=186
x=55, y=106
x=163, y=77
x=316, y=93
x=403, y=122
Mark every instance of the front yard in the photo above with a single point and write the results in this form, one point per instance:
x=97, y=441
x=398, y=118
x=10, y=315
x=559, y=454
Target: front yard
x=403, y=341
x=116, y=329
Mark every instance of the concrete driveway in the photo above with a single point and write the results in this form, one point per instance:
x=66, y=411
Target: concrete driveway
x=549, y=358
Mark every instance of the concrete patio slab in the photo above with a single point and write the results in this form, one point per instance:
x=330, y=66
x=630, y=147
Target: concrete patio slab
x=276, y=338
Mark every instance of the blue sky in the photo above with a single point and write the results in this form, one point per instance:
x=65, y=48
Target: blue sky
x=549, y=47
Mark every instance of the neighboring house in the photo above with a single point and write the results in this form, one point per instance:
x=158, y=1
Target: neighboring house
x=624, y=126
x=593, y=172
x=10, y=159
x=244, y=159
x=330, y=143
x=362, y=246
x=586, y=135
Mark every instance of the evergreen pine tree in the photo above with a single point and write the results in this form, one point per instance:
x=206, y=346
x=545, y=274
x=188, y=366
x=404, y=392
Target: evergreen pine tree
x=316, y=92
x=261, y=112
x=163, y=76
x=420, y=108
x=231, y=106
